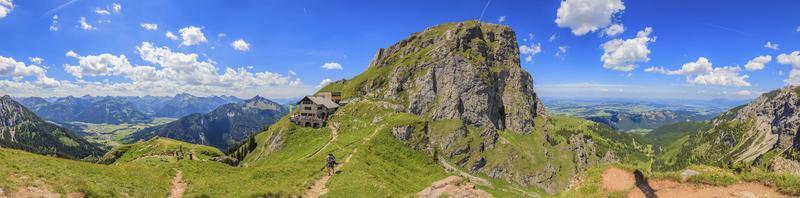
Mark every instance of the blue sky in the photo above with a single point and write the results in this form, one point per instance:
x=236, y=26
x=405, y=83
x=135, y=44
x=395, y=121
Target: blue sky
x=288, y=42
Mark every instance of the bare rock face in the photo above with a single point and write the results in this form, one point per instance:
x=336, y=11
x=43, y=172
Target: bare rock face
x=773, y=120
x=468, y=71
x=403, y=133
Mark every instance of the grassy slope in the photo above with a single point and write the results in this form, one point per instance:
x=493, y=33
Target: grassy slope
x=159, y=147
x=139, y=179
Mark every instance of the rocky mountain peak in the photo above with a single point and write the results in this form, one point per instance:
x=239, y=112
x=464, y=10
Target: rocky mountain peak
x=467, y=70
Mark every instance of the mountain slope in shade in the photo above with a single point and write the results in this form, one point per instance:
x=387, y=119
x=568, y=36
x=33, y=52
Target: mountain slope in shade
x=21, y=129
x=224, y=127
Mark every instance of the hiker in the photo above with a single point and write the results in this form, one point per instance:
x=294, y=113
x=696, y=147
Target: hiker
x=331, y=164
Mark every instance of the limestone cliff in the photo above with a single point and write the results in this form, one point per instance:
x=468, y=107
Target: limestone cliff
x=468, y=71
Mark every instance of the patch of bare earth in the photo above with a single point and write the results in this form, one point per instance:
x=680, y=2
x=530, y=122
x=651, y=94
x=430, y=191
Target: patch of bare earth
x=453, y=186
x=615, y=179
x=178, y=186
x=31, y=192
x=668, y=188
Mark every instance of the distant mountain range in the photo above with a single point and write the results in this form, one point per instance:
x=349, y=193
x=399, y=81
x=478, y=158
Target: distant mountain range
x=223, y=127
x=640, y=116
x=21, y=129
x=122, y=109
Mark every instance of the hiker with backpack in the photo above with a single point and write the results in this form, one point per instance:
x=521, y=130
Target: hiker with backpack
x=331, y=163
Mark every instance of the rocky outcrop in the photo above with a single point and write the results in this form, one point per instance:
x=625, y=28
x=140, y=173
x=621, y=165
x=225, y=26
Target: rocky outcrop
x=784, y=165
x=468, y=71
x=403, y=132
x=773, y=124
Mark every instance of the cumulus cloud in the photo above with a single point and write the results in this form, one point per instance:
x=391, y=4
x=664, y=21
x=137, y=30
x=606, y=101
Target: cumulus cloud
x=623, y=55
x=584, y=16
x=332, y=65
x=84, y=25
x=614, y=29
x=703, y=72
x=98, y=65
x=758, y=63
x=169, y=72
x=240, y=45
x=171, y=36
x=192, y=36
x=5, y=7
x=324, y=83
x=152, y=27
x=36, y=60
x=771, y=45
x=501, y=19
x=792, y=59
x=529, y=50
x=19, y=70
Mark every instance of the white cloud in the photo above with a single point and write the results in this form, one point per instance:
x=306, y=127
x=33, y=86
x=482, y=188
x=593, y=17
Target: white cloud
x=18, y=71
x=792, y=59
x=771, y=45
x=116, y=7
x=501, y=19
x=744, y=93
x=192, y=36
x=54, y=23
x=220, y=35
x=240, y=45
x=170, y=73
x=324, y=83
x=102, y=11
x=614, y=29
x=562, y=51
x=702, y=72
x=36, y=60
x=151, y=27
x=622, y=55
x=530, y=51
x=798, y=29
x=171, y=36
x=701, y=66
x=332, y=65
x=5, y=7
x=584, y=16
x=758, y=63
x=98, y=65
x=292, y=73
x=552, y=38
x=84, y=25
x=723, y=76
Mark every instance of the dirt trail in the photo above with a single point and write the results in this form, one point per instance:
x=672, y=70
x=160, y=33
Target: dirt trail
x=450, y=168
x=334, y=134
x=614, y=179
x=178, y=186
x=668, y=188
x=319, y=188
x=452, y=186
